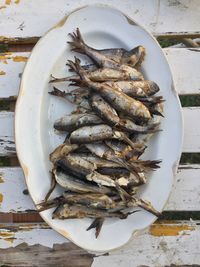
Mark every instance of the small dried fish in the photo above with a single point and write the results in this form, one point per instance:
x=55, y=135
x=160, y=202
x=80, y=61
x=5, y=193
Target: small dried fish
x=74, y=184
x=141, y=89
x=73, y=121
x=101, y=60
x=89, y=134
x=133, y=57
x=67, y=211
x=100, y=75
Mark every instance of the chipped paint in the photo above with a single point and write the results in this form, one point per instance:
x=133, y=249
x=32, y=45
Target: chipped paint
x=1, y=180
x=2, y=72
x=7, y=236
x=26, y=227
x=1, y=198
x=169, y=230
x=19, y=59
x=8, y=2
x=5, y=56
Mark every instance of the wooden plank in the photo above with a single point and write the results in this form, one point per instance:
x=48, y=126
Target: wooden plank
x=191, y=137
x=184, y=196
x=33, y=18
x=7, y=145
x=183, y=62
x=185, y=192
x=12, y=65
x=191, y=141
x=21, y=245
x=14, y=197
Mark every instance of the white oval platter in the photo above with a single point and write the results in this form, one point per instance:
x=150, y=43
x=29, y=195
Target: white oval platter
x=36, y=111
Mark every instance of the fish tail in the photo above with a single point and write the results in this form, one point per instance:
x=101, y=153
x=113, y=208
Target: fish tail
x=145, y=165
x=77, y=68
x=77, y=42
x=152, y=164
x=97, y=224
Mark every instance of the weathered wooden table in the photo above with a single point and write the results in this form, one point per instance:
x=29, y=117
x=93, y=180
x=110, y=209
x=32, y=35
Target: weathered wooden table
x=25, y=240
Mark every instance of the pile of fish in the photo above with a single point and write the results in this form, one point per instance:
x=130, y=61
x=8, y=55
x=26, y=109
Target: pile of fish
x=117, y=112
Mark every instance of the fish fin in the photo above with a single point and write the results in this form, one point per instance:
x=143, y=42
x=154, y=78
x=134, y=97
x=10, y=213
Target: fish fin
x=152, y=164
x=97, y=224
x=156, y=112
x=57, y=92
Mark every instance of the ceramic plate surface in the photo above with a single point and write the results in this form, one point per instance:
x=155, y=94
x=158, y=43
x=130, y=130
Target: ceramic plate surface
x=36, y=111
